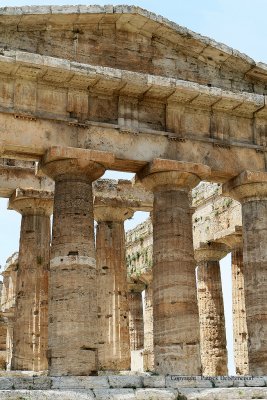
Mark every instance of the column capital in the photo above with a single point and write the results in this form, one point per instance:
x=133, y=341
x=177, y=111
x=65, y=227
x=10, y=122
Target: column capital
x=31, y=202
x=60, y=162
x=161, y=175
x=135, y=286
x=106, y=210
x=211, y=252
x=233, y=239
x=247, y=186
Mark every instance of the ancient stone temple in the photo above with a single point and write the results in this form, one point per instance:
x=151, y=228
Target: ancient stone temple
x=86, y=89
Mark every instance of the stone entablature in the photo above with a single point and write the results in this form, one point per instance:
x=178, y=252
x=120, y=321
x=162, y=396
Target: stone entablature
x=160, y=93
x=92, y=24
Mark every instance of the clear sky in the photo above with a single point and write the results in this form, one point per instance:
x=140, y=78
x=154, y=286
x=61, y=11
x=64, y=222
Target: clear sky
x=238, y=23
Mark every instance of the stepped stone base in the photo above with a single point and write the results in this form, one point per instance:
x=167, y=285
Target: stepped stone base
x=18, y=386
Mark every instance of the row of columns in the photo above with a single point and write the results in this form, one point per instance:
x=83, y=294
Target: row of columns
x=74, y=345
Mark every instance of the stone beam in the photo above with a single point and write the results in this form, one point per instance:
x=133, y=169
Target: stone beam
x=132, y=151
x=17, y=173
x=124, y=191
x=216, y=217
x=138, y=20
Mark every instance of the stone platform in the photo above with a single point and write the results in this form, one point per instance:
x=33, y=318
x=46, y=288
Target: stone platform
x=24, y=386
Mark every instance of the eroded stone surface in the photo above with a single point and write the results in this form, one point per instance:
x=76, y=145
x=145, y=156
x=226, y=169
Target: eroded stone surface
x=251, y=190
x=113, y=306
x=136, y=322
x=240, y=329
x=31, y=313
x=176, y=324
x=211, y=310
x=72, y=345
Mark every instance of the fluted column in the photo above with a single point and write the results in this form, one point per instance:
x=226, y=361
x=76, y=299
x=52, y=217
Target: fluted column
x=136, y=320
x=113, y=307
x=8, y=302
x=148, y=329
x=30, y=320
x=72, y=327
x=9, y=342
x=176, y=322
x=239, y=312
x=211, y=311
x=3, y=334
x=250, y=188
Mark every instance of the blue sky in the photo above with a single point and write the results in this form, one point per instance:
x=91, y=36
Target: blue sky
x=238, y=23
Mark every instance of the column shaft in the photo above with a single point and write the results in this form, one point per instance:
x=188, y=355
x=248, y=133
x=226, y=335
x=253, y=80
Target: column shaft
x=136, y=321
x=9, y=342
x=176, y=322
x=3, y=350
x=239, y=313
x=113, y=307
x=250, y=188
x=254, y=215
x=72, y=326
x=211, y=318
x=148, y=330
x=30, y=323
x=72, y=290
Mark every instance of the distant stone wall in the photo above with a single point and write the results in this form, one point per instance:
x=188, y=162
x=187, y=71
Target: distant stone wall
x=139, y=249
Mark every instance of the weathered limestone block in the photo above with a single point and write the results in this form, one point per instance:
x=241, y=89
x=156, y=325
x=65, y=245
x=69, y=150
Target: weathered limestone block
x=154, y=381
x=155, y=394
x=72, y=327
x=211, y=311
x=136, y=320
x=112, y=289
x=239, y=312
x=47, y=395
x=176, y=323
x=222, y=394
x=31, y=319
x=250, y=188
x=114, y=394
x=130, y=381
x=79, y=382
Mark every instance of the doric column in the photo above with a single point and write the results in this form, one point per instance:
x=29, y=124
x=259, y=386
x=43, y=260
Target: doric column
x=113, y=307
x=8, y=303
x=250, y=188
x=30, y=321
x=211, y=311
x=9, y=341
x=176, y=322
x=239, y=312
x=148, y=328
x=72, y=326
x=136, y=320
x=3, y=333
